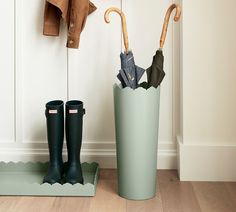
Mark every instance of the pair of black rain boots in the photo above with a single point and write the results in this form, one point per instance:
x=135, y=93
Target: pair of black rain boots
x=70, y=171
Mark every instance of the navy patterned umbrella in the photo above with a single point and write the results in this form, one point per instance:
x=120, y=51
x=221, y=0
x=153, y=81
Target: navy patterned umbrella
x=129, y=74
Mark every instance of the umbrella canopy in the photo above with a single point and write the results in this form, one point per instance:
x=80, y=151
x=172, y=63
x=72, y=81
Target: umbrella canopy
x=155, y=72
x=130, y=74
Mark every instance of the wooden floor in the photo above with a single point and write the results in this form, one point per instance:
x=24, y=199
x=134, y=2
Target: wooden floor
x=172, y=196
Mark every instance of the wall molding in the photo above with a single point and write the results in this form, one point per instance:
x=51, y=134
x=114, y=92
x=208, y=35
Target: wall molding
x=100, y=151
x=18, y=79
x=206, y=162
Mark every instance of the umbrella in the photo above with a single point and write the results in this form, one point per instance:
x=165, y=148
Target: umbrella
x=155, y=72
x=130, y=74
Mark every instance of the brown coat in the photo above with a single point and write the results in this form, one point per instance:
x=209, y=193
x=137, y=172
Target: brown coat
x=74, y=12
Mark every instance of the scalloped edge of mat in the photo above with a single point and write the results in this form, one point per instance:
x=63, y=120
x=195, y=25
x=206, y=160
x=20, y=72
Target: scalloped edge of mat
x=46, y=189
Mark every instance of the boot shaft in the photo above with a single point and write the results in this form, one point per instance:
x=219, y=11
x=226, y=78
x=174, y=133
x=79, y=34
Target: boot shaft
x=55, y=129
x=74, y=128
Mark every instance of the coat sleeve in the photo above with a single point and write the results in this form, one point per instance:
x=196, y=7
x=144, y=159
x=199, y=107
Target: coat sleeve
x=54, y=10
x=80, y=9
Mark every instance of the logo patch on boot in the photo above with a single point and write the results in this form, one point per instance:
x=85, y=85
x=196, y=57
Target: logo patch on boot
x=52, y=111
x=73, y=111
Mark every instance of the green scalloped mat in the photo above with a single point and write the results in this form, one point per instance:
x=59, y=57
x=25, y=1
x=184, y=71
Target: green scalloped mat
x=26, y=179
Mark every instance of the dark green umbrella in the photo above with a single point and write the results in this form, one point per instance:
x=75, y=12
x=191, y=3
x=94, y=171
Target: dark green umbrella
x=155, y=73
x=129, y=74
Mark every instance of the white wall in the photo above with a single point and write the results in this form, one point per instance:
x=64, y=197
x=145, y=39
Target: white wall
x=35, y=69
x=207, y=144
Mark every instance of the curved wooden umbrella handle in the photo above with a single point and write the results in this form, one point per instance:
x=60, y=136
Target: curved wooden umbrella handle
x=166, y=22
x=123, y=22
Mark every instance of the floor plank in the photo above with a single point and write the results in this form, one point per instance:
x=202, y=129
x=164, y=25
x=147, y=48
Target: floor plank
x=107, y=199
x=231, y=188
x=8, y=203
x=69, y=204
x=36, y=204
x=176, y=196
x=214, y=197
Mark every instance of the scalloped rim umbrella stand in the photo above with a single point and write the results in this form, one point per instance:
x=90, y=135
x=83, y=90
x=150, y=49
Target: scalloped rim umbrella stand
x=136, y=126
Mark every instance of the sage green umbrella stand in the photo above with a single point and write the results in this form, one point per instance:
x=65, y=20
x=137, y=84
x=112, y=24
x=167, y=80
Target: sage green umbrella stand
x=136, y=123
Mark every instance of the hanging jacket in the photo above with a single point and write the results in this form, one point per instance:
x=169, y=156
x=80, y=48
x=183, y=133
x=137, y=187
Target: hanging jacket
x=74, y=12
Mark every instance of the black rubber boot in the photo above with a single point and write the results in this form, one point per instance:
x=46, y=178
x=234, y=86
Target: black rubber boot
x=55, y=133
x=74, y=127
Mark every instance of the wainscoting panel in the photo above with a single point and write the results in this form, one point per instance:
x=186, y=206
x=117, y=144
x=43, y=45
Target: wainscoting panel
x=43, y=70
x=7, y=69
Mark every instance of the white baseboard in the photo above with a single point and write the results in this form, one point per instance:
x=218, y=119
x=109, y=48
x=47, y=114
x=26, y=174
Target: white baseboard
x=102, y=152
x=198, y=162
